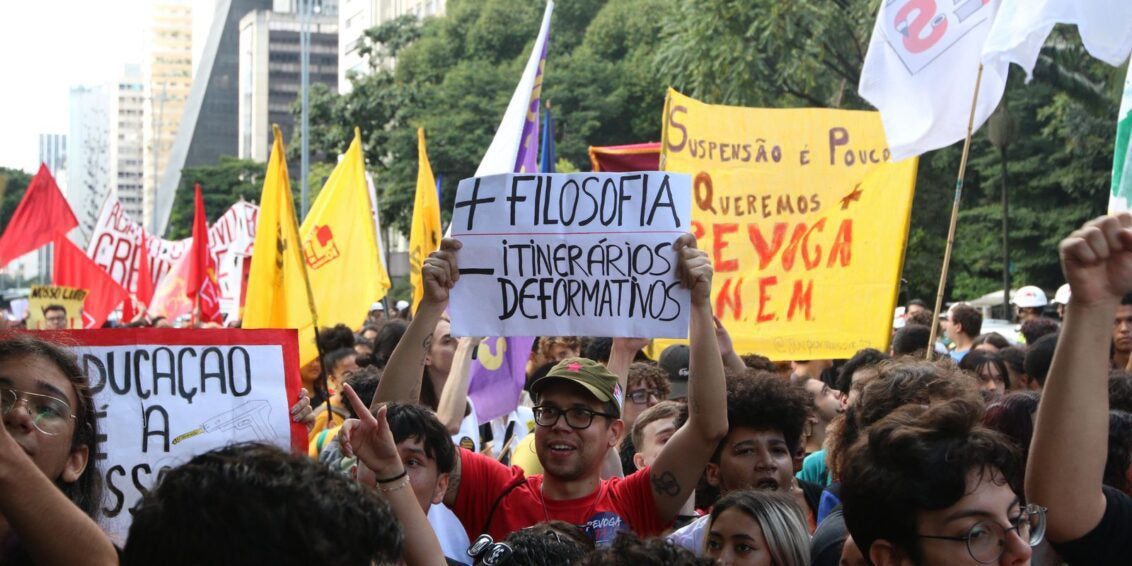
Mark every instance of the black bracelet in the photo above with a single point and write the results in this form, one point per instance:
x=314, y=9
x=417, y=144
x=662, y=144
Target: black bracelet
x=394, y=478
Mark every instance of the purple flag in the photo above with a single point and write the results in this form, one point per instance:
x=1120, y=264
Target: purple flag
x=500, y=368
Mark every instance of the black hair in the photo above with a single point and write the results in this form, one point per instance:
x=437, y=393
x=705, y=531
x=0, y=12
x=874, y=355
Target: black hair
x=1014, y=357
x=862, y=359
x=919, y=459
x=257, y=504
x=1012, y=415
x=766, y=402
x=1039, y=356
x=1120, y=390
x=54, y=307
x=975, y=360
x=1119, y=451
x=364, y=383
x=628, y=550
x=555, y=543
x=917, y=303
x=387, y=339
x=1126, y=299
x=598, y=349
x=910, y=339
x=340, y=336
x=335, y=357
x=1035, y=328
x=415, y=421
x=993, y=338
x=539, y=372
x=86, y=492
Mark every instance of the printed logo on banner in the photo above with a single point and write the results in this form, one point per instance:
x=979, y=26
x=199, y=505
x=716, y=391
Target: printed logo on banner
x=920, y=31
x=322, y=249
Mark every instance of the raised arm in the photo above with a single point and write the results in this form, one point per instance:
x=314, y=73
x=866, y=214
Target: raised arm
x=401, y=379
x=681, y=462
x=621, y=355
x=454, y=397
x=1070, y=444
x=370, y=439
x=41, y=516
x=731, y=359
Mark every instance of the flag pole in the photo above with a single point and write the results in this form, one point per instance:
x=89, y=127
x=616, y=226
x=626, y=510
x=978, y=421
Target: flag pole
x=954, y=218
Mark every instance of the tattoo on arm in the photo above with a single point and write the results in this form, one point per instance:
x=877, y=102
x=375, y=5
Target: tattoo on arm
x=665, y=483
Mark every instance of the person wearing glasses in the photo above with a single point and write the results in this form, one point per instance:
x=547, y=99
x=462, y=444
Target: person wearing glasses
x=933, y=486
x=578, y=416
x=55, y=317
x=1088, y=523
x=50, y=489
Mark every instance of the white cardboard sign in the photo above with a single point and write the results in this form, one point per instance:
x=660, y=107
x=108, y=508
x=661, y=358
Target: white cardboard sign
x=580, y=254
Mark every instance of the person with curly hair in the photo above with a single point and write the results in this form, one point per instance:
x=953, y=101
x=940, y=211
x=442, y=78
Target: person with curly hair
x=766, y=416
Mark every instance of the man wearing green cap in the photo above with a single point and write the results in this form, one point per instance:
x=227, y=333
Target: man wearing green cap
x=578, y=417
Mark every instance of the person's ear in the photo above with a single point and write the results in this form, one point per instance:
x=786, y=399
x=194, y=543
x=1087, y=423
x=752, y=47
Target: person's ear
x=711, y=474
x=639, y=460
x=615, y=430
x=440, y=490
x=76, y=464
x=884, y=553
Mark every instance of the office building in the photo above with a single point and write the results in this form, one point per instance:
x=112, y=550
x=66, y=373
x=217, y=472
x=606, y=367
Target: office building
x=357, y=16
x=88, y=155
x=168, y=78
x=270, y=74
x=127, y=132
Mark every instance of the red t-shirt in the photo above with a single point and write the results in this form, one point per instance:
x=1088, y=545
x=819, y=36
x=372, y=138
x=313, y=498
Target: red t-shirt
x=619, y=504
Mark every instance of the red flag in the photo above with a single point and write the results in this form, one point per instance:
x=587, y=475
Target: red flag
x=42, y=215
x=74, y=269
x=634, y=157
x=143, y=289
x=202, y=267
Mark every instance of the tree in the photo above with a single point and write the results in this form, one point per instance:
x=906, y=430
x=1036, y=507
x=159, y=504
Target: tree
x=221, y=186
x=13, y=185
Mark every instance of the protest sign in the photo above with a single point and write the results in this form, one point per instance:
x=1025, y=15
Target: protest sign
x=163, y=396
x=583, y=254
x=805, y=218
x=115, y=246
x=43, y=296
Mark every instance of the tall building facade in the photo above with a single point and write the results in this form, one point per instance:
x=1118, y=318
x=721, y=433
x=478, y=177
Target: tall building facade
x=357, y=16
x=168, y=79
x=209, y=124
x=270, y=78
x=53, y=153
x=127, y=132
x=88, y=154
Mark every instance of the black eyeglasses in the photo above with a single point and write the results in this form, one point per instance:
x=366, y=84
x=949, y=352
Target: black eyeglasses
x=577, y=417
x=986, y=540
x=641, y=396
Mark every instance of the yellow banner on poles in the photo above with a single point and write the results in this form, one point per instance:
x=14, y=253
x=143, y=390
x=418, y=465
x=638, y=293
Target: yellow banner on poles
x=805, y=219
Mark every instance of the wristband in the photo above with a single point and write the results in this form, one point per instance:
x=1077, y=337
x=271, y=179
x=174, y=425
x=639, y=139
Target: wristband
x=400, y=485
x=394, y=478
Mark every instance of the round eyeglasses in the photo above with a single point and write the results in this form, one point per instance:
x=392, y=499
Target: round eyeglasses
x=50, y=415
x=986, y=540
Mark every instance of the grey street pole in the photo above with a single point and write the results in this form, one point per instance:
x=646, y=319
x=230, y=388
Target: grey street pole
x=1002, y=128
x=305, y=58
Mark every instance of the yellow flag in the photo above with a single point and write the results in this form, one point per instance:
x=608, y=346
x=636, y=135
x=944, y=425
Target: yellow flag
x=278, y=294
x=424, y=237
x=340, y=245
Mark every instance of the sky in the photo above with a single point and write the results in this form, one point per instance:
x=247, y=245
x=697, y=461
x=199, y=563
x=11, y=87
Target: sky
x=49, y=46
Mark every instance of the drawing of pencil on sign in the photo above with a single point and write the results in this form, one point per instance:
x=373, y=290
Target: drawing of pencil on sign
x=252, y=415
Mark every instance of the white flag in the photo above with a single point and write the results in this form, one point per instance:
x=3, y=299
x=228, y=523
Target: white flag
x=1022, y=26
x=921, y=71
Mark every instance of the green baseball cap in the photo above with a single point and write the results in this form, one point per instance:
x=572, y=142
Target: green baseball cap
x=598, y=380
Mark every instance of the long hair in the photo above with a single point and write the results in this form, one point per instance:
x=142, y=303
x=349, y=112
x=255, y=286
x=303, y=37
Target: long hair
x=782, y=522
x=86, y=492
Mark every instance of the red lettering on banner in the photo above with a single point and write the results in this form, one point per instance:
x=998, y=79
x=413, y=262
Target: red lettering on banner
x=766, y=252
x=806, y=259
x=842, y=245
x=764, y=298
x=730, y=297
x=802, y=298
x=698, y=230
x=717, y=246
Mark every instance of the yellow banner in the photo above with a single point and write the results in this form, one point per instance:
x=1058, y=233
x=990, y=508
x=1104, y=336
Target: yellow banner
x=53, y=307
x=805, y=220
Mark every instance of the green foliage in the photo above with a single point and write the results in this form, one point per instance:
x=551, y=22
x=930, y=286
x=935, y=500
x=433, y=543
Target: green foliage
x=221, y=186
x=609, y=62
x=13, y=185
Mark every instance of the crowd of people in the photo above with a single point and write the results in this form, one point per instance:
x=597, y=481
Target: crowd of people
x=997, y=450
